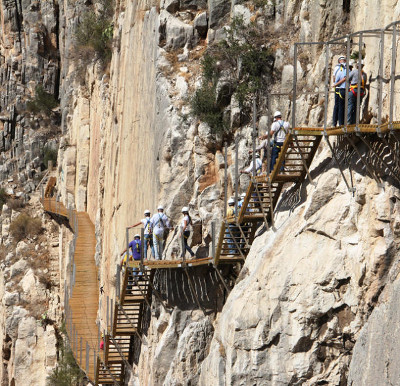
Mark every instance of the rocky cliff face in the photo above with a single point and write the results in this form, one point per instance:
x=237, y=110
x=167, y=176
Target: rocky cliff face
x=312, y=291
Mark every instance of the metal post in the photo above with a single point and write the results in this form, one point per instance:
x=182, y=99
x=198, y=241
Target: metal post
x=108, y=310
x=346, y=95
x=226, y=178
x=111, y=314
x=326, y=86
x=393, y=76
x=127, y=247
x=142, y=249
x=80, y=351
x=359, y=83
x=380, y=84
x=294, y=87
x=87, y=357
x=237, y=172
x=254, y=135
x=118, y=281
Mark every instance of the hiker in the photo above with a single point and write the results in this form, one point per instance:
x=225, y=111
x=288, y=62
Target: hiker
x=134, y=252
x=279, y=130
x=353, y=80
x=339, y=83
x=241, y=199
x=186, y=228
x=249, y=169
x=232, y=230
x=148, y=230
x=159, y=222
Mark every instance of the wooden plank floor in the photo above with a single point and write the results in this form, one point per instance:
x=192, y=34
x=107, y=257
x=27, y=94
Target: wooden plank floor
x=85, y=293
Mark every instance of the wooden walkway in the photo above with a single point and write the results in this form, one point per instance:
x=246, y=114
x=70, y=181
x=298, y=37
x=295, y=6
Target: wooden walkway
x=262, y=195
x=82, y=307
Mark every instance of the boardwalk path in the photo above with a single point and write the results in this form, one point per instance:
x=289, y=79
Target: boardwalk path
x=83, y=304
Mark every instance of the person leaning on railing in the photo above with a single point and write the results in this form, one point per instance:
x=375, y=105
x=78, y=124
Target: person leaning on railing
x=353, y=80
x=148, y=233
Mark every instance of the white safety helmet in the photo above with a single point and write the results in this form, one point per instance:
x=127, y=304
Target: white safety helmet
x=231, y=201
x=185, y=209
x=277, y=114
x=341, y=58
x=137, y=235
x=160, y=207
x=243, y=195
x=257, y=155
x=146, y=212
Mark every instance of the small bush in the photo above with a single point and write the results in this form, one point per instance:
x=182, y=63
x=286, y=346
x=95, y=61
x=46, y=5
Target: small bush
x=3, y=197
x=95, y=31
x=67, y=372
x=25, y=226
x=44, y=102
x=49, y=154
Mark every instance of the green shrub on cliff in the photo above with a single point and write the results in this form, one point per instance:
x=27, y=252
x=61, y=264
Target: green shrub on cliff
x=95, y=31
x=43, y=102
x=237, y=67
x=67, y=372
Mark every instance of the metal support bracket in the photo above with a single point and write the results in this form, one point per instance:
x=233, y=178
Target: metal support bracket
x=365, y=163
x=350, y=189
x=193, y=290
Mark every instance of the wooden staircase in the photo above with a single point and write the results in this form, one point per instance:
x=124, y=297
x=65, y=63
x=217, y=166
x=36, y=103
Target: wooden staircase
x=127, y=322
x=263, y=192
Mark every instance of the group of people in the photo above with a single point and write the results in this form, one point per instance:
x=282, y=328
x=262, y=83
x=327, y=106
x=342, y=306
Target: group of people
x=342, y=84
x=277, y=135
x=155, y=229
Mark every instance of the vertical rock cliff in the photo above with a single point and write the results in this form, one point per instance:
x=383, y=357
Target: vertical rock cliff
x=308, y=303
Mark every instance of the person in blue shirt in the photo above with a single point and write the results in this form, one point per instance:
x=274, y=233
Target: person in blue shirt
x=339, y=83
x=135, y=245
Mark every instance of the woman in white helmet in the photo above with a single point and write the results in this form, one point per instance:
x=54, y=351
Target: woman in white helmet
x=186, y=228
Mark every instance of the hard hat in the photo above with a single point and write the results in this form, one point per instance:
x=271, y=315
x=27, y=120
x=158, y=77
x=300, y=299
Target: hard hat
x=357, y=63
x=231, y=201
x=146, y=212
x=243, y=195
x=160, y=207
x=137, y=235
x=341, y=58
x=257, y=155
x=185, y=209
x=277, y=114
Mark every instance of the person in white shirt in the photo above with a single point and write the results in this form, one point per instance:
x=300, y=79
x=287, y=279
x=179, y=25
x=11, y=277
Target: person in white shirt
x=186, y=228
x=159, y=222
x=148, y=233
x=249, y=169
x=279, y=130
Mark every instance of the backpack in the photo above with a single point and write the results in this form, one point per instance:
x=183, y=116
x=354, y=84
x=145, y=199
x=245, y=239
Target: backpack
x=281, y=126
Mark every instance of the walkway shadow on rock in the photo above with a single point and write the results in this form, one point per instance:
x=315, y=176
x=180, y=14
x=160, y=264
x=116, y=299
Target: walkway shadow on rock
x=379, y=159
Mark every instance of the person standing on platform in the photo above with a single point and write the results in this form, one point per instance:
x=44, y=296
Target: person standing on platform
x=160, y=223
x=186, y=228
x=279, y=130
x=258, y=167
x=353, y=80
x=339, y=83
x=148, y=233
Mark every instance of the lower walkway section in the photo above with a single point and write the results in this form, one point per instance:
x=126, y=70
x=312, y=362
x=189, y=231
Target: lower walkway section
x=82, y=295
